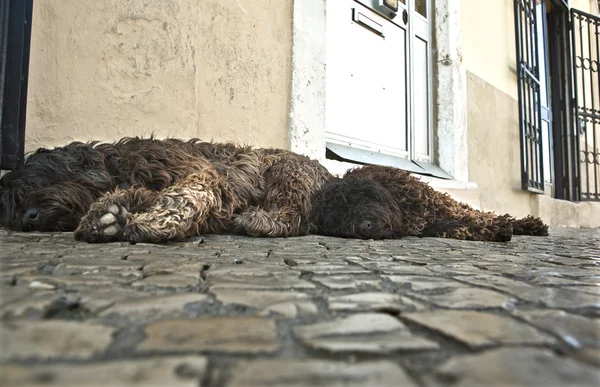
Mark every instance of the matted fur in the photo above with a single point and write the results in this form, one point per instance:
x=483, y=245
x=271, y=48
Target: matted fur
x=376, y=202
x=155, y=191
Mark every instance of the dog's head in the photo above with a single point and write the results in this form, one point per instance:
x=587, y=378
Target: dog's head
x=53, y=189
x=355, y=209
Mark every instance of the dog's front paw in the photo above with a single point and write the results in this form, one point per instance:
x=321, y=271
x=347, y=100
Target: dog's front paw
x=102, y=224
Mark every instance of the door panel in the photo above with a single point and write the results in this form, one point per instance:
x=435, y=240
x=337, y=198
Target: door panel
x=366, y=79
x=420, y=100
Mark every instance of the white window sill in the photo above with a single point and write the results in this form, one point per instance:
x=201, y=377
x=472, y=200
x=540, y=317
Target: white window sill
x=339, y=168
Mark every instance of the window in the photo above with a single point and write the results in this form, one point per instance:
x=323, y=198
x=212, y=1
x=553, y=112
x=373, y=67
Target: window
x=559, y=99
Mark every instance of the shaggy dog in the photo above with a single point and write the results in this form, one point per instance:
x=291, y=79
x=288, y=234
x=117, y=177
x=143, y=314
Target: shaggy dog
x=376, y=202
x=146, y=190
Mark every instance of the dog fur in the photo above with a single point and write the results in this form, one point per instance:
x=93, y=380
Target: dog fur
x=146, y=190
x=376, y=202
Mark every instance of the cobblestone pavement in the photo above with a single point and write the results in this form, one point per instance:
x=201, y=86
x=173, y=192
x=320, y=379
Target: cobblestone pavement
x=309, y=311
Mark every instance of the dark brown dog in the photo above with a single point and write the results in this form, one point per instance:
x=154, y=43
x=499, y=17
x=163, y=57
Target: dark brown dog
x=155, y=191
x=376, y=202
x=146, y=190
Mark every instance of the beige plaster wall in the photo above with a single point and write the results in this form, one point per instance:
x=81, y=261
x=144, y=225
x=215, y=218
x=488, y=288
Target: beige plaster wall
x=494, y=158
x=215, y=69
x=489, y=40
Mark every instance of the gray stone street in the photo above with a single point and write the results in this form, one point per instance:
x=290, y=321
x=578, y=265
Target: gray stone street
x=308, y=311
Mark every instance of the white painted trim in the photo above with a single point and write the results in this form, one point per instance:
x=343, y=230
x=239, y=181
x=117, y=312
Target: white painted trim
x=441, y=184
x=450, y=91
x=308, y=102
x=339, y=168
x=307, y=107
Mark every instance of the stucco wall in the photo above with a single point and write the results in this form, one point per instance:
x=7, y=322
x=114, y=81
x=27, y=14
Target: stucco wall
x=489, y=40
x=489, y=43
x=494, y=148
x=216, y=69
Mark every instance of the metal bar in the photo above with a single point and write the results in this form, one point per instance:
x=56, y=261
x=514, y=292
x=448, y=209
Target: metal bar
x=531, y=132
x=15, y=83
x=589, y=115
x=531, y=75
x=582, y=109
x=575, y=109
x=547, y=109
x=521, y=92
x=572, y=152
x=527, y=123
x=539, y=170
x=569, y=169
x=519, y=48
x=3, y=48
x=554, y=46
x=595, y=122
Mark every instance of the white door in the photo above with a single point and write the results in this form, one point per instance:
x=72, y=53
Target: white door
x=378, y=79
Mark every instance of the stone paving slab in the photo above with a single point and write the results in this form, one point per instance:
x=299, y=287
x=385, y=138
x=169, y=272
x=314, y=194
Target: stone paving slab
x=52, y=339
x=365, y=332
x=159, y=372
x=311, y=311
x=309, y=373
x=528, y=367
x=222, y=334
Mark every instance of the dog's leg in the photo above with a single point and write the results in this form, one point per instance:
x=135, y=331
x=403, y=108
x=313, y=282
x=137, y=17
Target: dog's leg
x=178, y=211
x=472, y=225
x=266, y=222
x=285, y=210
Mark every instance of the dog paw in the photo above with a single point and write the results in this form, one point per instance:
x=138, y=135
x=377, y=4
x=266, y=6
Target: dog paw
x=260, y=223
x=102, y=224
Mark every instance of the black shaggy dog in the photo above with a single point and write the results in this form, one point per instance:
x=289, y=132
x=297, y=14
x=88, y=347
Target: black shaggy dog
x=147, y=190
x=376, y=202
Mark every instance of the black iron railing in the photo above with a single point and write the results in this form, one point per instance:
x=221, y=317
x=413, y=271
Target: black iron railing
x=530, y=116
x=566, y=171
x=586, y=70
x=15, y=37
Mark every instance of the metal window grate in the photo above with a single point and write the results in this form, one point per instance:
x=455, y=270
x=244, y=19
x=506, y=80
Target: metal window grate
x=15, y=36
x=585, y=35
x=530, y=116
x=564, y=140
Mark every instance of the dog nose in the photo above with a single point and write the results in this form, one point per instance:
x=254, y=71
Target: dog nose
x=365, y=226
x=30, y=219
